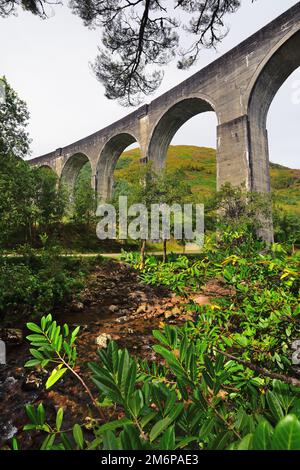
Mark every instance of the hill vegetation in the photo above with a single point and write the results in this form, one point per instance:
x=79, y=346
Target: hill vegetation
x=199, y=165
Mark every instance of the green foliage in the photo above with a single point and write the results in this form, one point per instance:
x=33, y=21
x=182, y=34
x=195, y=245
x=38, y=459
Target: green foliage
x=14, y=139
x=236, y=209
x=260, y=315
x=198, y=165
x=36, y=284
x=31, y=202
x=286, y=227
x=51, y=344
x=187, y=399
x=195, y=395
x=84, y=197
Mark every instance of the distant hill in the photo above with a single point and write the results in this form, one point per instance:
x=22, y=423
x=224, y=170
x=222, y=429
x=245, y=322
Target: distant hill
x=199, y=165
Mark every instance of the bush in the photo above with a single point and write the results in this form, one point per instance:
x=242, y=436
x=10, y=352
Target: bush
x=36, y=284
x=187, y=399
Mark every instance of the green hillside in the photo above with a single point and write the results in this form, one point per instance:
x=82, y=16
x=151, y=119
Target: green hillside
x=199, y=165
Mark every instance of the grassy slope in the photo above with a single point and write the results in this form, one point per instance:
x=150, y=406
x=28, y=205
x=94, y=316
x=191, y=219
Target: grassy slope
x=199, y=164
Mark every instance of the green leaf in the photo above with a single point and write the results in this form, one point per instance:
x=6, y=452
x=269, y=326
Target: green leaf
x=186, y=441
x=34, y=327
x=130, y=438
x=246, y=443
x=29, y=427
x=59, y=418
x=171, y=360
x=55, y=376
x=30, y=411
x=36, y=354
x=32, y=363
x=241, y=340
x=37, y=339
x=43, y=323
x=274, y=406
x=74, y=335
x=207, y=428
x=263, y=436
x=48, y=442
x=159, y=428
x=41, y=415
x=157, y=334
x=112, y=425
x=66, y=330
x=78, y=436
x=168, y=440
x=287, y=434
x=15, y=444
x=66, y=442
x=136, y=403
x=146, y=419
x=110, y=442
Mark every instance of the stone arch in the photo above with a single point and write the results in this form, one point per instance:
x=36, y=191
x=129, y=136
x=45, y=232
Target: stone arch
x=107, y=162
x=72, y=167
x=47, y=167
x=170, y=122
x=281, y=62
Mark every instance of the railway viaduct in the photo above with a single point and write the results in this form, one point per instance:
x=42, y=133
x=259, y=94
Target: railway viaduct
x=239, y=87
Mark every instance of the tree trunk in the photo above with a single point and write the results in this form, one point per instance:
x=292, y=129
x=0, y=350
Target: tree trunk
x=165, y=251
x=143, y=251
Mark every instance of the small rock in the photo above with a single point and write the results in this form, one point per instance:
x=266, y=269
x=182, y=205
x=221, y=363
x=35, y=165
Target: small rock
x=159, y=311
x=168, y=314
x=142, y=309
x=121, y=320
x=172, y=313
x=113, y=308
x=201, y=299
x=77, y=306
x=187, y=317
x=102, y=340
x=176, y=311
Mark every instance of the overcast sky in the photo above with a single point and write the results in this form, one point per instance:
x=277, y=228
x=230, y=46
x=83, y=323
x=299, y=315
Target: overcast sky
x=47, y=63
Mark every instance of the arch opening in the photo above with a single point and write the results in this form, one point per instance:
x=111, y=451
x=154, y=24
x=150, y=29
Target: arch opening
x=273, y=77
x=183, y=149
x=72, y=168
x=170, y=123
x=79, y=184
x=110, y=160
x=282, y=64
x=47, y=168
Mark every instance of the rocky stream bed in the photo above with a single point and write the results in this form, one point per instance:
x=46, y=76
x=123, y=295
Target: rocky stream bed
x=113, y=305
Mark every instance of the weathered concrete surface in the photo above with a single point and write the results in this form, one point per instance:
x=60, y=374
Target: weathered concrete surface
x=239, y=87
